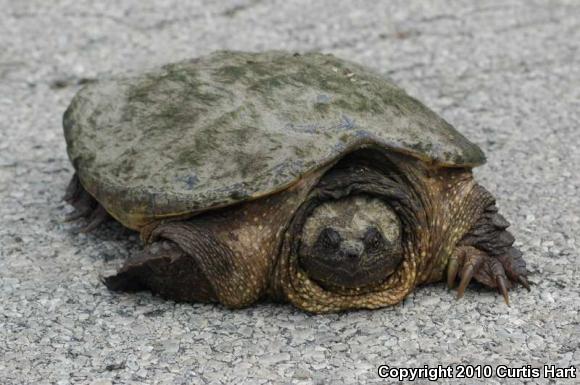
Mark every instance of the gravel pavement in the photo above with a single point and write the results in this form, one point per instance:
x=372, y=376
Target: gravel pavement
x=505, y=73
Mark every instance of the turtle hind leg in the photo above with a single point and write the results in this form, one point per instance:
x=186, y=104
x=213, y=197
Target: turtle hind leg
x=164, y=269
x=85, y=206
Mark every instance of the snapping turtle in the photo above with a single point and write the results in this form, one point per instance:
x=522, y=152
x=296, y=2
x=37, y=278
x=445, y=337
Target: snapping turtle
x=299, y=178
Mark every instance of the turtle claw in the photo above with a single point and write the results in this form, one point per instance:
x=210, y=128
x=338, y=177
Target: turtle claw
x=77, y=214
x=502, y=286
x=497, y=271
x=466, y=277
x=524, y=282
x=452, y=270
x=85, y=206
x=98, y=217
x=471, y=263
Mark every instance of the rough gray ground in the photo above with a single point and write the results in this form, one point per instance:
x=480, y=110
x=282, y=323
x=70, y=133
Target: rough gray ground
x=505, y=73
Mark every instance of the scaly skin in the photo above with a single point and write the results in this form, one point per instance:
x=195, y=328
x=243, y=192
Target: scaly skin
x=237, y=255
x=443, y=213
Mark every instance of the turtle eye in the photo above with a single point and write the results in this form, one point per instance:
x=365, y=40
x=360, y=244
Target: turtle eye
x=329, y=238
x=373, y=239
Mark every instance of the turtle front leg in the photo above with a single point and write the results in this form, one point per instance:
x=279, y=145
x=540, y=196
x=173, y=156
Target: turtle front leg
x=486, y=253
x=500, y=272
x=85, y=206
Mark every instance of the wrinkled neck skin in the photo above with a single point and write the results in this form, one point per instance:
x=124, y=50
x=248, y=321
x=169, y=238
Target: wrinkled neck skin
x=436, y=208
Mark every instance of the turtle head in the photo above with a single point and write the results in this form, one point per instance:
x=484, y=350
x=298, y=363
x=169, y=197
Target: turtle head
x=351, y=242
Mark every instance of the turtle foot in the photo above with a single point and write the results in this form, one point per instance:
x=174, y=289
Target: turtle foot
x=501, y=272
x=85, y=206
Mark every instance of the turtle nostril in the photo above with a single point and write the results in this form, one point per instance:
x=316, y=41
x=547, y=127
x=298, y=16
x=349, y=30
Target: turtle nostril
x=352, y=250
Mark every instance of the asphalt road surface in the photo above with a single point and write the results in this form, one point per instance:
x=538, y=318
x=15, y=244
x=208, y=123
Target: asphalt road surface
x=505, y=73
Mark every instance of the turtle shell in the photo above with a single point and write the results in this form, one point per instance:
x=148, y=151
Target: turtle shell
x=233, y=126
